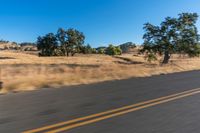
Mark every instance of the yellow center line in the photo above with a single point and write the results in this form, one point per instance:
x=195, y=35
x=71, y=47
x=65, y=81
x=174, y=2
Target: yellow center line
x=115, y=112
x=119, y=113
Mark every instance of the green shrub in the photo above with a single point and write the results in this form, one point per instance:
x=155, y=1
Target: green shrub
x=101, y=51
x=113, y=50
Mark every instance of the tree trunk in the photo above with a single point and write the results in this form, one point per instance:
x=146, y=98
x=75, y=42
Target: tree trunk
x=166, y=57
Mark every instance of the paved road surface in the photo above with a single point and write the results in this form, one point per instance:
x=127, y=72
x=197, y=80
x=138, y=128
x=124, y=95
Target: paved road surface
x=177, y=114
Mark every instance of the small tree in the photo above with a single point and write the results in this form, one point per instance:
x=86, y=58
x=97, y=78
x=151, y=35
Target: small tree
x=94, y=51
x=113, y=50
x=101, y=51
x=86, y=49
x=127, y=46
x=47, y=45
x=174, y=35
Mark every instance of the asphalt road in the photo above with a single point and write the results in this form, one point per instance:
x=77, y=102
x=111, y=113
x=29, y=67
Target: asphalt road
x=21, y=112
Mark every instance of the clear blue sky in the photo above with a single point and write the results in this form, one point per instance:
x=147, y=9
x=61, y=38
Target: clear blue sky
x=102, y=21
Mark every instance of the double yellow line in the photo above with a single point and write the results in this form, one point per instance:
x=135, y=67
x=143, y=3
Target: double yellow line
x=64, y=126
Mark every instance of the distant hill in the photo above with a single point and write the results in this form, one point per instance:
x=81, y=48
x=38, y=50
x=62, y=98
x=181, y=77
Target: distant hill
x=102, y=47
x=5, y=45
x=128, y=47
x=27, y=46
x=8, y=46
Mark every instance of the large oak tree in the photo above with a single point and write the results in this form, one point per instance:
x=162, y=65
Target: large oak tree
x=174, y=35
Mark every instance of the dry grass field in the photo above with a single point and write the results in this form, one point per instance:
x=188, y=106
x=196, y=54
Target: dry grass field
x=25, y=72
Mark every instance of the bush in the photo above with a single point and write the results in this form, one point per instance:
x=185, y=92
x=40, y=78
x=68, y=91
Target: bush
x=126, y=47
x=151, y=57
x=101, y=51
x=194, y=51
x=113, y=50
x=88, y=50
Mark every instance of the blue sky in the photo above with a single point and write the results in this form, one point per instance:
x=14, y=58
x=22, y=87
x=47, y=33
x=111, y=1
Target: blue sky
x=102, y=21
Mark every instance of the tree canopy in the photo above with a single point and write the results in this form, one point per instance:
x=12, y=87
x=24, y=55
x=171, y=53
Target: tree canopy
x=47, y=44
x=71, y=41
x=65, y=42
x=174, y=35
x=113, y=50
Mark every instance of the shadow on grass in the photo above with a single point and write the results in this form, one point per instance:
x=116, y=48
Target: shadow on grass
x=76, y=65
x=6, y=58
x=126, y=61
x=53, y=65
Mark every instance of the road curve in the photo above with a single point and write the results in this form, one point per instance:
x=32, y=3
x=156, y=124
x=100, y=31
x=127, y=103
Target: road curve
x=164, y=103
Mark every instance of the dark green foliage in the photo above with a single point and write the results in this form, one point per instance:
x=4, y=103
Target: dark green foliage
x=71, y=41
x=47, y=45
x=64, y=43
x=174, y=35
x=94, y=51
x=113, y=50
x=27, y=44
x=151, y=57
x=87, y=49
x=194, y=50
x=101, y=51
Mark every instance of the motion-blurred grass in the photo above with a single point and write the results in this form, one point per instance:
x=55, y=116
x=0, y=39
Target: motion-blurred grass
x=24, y=72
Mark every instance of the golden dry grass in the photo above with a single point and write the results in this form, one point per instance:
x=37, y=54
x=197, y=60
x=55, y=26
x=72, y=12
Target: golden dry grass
x=23, y=72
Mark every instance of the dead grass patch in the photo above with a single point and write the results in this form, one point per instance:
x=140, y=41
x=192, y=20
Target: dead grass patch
x=25, y=72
